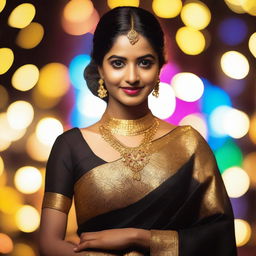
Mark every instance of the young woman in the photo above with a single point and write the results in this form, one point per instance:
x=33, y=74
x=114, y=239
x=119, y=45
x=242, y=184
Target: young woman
x=141, y=186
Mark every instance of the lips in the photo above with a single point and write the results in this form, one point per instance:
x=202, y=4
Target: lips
x=131, y=90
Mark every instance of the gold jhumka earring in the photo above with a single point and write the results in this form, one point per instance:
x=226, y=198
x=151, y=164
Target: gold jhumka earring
x=102, y=92
x=156, y=89
x=132, y=35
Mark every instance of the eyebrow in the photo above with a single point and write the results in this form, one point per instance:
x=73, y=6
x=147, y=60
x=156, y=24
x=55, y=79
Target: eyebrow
x=123, y=58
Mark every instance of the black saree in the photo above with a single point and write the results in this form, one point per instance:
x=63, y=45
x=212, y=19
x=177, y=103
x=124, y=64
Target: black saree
x=181, y=198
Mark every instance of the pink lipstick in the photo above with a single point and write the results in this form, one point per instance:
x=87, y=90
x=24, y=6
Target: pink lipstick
x=131, y=91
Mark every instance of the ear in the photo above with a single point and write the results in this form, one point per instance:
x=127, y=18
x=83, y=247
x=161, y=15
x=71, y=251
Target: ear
x=100, y=72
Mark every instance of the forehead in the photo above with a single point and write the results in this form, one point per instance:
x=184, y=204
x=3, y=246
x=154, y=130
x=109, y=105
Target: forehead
x=122, y=47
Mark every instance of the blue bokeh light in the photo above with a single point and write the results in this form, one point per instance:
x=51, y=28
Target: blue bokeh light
x=232, y=31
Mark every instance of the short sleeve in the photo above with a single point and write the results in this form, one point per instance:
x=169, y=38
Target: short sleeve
x=59, y=177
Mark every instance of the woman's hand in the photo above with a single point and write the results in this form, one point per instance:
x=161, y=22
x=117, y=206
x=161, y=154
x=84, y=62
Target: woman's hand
x=114, y=239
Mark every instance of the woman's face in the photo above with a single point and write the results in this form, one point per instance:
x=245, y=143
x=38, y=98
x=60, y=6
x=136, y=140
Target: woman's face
x=130, y=72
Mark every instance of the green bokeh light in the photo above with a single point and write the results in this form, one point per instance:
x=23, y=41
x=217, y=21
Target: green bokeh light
x=228, y=155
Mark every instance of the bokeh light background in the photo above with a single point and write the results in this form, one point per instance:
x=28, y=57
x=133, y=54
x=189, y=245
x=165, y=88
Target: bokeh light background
x=208, y=82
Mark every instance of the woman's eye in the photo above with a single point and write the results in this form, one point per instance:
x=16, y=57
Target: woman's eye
x=146, y=63
x=117, y=63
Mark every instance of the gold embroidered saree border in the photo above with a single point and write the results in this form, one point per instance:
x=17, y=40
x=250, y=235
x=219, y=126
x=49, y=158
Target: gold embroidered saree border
x=56, y=201
x=164, y=243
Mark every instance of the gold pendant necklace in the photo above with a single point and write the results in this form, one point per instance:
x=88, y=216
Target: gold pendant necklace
x=135, y=158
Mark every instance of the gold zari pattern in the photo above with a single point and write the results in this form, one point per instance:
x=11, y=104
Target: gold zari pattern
x=57, y=201
x=135, y=158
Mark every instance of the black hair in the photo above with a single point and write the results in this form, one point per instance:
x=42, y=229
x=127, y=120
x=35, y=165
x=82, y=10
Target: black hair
x=117, y=22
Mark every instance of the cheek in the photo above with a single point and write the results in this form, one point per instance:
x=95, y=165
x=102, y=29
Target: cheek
x=149, y=77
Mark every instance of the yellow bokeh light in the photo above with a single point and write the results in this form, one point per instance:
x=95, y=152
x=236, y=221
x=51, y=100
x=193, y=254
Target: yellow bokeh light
x=190, y=41
x=23, y=249
x=79, y=10
x=235, y=5
x=22, y=15
x=28, y=179
x=196, y=15
x=252, y=129
x=53, y=80
x=243, y=232
x=25, y=77
x=249, y=165
x=48, y=129
x=10, y=200
x=167, y=8
x=6, y=244
x=7, y=133
x=36, y=149
x=4, y=144
x=20, y=114
x=235, y=123
x=88, y=24
x=236, y=181
x=1, y=165
x=115, y=3
x=249, y=6
x=3, y=177
x=42, y=101
x=2, y=4
x=6, y=57
x=187, y=86
x=7, y=224
x=197, y=121
x=27, y=218
x=252, y=44
x=30, y=36
x=4, y=97
x=235, y=65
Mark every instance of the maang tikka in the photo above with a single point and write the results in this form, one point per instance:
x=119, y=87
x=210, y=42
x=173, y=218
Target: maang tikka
x=132, y=35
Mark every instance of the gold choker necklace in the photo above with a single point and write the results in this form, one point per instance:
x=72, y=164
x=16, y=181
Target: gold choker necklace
x=129, y=127
x=135, y=158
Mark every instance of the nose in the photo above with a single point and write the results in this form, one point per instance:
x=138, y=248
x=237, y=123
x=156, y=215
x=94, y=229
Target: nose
x=132, y=77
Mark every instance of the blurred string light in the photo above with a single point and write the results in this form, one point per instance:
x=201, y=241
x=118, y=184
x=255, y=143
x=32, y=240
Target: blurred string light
x=1, y=165
x=3, y=179
x=2, y=4
x=53, y=80
x=234, y=64
x=249, y=165
x=197, y=121
x=30, y=36
x=8, y=224
x=22, y=249
x=14, y=201
x=190, y=40
x=167, y=8
x=25, y=77
x=28, y=179
x=163, y=106
x=48, y=129
x=236, y=181
x=6, y=244
x=36, y=149
x=7, y=58
x=22, y=15
x=27, y=218
x=79, y=17
x=235, y=5
x=249, y=6
x=252, y=129
x=225, y=120
x=4, y=97
x=232, y=31
x=8, y=133
x=187, y=86
x=196, y=14
x=20, y=114
x=230, y=149
x=115, y=3
x=252, y=44
x=243, y=232
x=168, y=71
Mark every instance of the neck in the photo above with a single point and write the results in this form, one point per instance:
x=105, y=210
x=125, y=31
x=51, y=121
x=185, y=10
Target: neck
x=127, y=112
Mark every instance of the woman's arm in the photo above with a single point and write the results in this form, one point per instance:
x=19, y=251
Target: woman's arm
x=52, y=234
